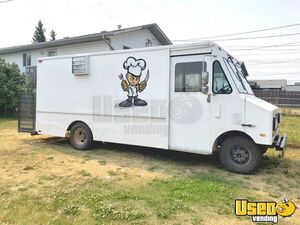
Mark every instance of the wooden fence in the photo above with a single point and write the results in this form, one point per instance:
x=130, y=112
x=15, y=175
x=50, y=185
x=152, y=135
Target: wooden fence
x=279, y=98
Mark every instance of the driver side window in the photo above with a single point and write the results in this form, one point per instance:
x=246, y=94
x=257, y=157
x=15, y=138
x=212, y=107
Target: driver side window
x=220, y=82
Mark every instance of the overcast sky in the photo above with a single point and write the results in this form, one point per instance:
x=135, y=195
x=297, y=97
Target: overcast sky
x=179, y=19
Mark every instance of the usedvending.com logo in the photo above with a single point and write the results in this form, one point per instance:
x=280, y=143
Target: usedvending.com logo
x=264, y=211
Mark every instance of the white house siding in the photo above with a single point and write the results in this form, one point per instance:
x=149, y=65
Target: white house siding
x=95, y=46
x=134, y=39
x=13, y=58
x=17, y=58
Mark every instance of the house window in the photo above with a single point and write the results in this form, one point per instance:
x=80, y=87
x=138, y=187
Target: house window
x=52, y=52
x=26, y=59
x=188, y=76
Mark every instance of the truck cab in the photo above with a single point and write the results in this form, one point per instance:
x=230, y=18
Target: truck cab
x=238, y=125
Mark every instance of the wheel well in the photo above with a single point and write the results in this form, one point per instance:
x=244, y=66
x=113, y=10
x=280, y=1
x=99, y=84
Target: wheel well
x=227, y=134
x=74, y=122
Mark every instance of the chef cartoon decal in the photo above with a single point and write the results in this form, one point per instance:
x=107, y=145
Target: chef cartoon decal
x=133, y=84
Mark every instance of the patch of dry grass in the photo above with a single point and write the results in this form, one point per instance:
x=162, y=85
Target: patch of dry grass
x=289, y=111
x=43, y=180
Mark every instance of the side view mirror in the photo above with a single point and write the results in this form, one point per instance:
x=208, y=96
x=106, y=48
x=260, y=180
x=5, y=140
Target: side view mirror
x=204, y=82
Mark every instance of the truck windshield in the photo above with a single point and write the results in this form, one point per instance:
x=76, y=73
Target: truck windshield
x=243, y=73
x=238, y=76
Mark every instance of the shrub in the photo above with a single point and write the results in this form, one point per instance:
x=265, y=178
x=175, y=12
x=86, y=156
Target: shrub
x=11, y=84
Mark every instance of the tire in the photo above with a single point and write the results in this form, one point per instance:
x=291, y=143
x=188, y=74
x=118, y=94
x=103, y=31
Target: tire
x=263, y=149
x=240, y=155
x=81, y=136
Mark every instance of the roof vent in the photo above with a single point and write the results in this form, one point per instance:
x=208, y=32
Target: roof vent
x=119, y=27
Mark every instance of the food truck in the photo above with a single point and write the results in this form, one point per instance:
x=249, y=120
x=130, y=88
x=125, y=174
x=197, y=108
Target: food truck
x=191, y=98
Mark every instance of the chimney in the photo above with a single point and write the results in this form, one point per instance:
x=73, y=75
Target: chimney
x=119, y=27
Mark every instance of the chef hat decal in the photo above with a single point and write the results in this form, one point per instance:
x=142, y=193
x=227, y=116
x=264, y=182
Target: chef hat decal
x=134, y=66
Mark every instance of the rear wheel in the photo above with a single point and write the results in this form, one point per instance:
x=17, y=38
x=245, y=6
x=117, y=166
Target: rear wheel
x=240, y=155
x=81, y=136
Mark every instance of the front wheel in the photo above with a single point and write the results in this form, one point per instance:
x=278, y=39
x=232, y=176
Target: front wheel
x=240, y=155
x=81, y=136
x=263, y=149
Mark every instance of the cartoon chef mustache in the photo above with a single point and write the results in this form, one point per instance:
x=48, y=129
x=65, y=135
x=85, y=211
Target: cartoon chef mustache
x=146, y=77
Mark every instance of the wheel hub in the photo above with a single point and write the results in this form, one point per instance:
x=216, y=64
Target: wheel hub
x=80, y=136
x=240, y=154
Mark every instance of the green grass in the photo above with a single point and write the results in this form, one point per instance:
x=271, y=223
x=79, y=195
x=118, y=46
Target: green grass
x=171, y=196
x=112, y=173
x=291, y=126
x=102, y=162
x=8, y=122
x=85, y=173
x=100, y=202
x=290, y=111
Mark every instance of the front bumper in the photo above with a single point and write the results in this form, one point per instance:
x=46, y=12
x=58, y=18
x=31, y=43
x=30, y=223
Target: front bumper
x=279, y=142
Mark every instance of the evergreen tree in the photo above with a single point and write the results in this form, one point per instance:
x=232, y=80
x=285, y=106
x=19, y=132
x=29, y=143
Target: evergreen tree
x=39, y=33
x=52, y=35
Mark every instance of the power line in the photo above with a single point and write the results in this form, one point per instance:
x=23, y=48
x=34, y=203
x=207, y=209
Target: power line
x=250, y=38
x=277, y=66
x=5, y=1
x=269, y=46
x=286, y=63
x=276, y=73
x=278, y=63
x=256, y=46
x=268, y=49
x=265, y=54
x=258, y=37
x=292, y=46
x=273, y=60
x=247, y=32
x=277, y=46
x=283, y=63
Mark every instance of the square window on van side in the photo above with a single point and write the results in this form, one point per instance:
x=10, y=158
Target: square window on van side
x=188, y=76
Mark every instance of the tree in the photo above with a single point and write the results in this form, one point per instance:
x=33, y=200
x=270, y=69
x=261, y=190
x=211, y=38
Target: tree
x=39, y=33
x=53, y=35
x=11, y=85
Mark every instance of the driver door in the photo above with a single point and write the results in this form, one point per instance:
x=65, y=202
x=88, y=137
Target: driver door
x=227, y=104
x=189, y=108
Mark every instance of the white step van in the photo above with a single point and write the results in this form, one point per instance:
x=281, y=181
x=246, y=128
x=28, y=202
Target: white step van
x=192, y=98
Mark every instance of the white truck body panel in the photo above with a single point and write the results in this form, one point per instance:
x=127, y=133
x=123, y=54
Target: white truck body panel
x=94, y=98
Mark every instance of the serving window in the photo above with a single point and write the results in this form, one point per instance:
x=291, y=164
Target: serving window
x=188, y=76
